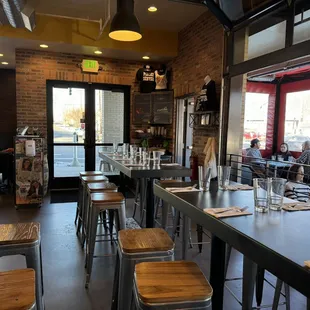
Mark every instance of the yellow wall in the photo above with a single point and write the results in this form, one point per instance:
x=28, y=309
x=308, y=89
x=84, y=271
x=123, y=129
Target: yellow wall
x=62, y=30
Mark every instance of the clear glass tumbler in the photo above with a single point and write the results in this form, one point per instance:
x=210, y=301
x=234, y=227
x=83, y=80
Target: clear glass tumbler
x=146, y=158
x=223, y=177
x=261, y=197
x=156, y=157
x=276, y=193
x=204, y=177
x=125, y=149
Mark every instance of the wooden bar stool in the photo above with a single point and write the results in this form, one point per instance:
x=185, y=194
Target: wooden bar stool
x=24, y=239
x=17, y=290
x=83, y=174
x=101, y=187
x=84, y=181
x=99, y=203
x=171, y=285
x=134, y=246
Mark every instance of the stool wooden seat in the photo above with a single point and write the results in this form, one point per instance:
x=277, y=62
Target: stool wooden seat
x=94, y=179
x=19, y=233
x=107, y=198
x=170, y=283
x=24, y=239
x=17, y=289
x=144, y=240
x=102, y=186
x=90, y=173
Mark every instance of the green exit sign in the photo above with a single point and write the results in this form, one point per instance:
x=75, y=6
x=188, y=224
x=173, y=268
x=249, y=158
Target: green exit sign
x=90, y=66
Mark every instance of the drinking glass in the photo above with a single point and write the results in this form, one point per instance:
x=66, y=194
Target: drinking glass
x=115, y=147
x=273, y=157
x=223, y=177
x=275, y=193
x=125, y=149
x=204, y=177
x=156, y=157
x=133, y=152
x=280, y=158
x=261, y=188
x=146, y=158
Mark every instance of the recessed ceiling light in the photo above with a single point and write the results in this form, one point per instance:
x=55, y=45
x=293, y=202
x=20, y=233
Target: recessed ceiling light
x=4, y=63
x=146, y=57
x=1, y=55
x=98, y=52
x=152, y=8
x=43, y=45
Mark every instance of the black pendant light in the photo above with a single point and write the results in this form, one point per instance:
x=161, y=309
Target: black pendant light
x=125, y=26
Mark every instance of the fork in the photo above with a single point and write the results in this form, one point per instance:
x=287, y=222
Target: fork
x=232, y=209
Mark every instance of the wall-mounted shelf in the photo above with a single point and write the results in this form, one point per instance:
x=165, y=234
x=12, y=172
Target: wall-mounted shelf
x=204, y=120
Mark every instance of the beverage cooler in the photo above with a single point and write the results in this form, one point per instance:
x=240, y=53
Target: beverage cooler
x=31, y=171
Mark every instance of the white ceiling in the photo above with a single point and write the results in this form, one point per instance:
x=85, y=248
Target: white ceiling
x=171, y=15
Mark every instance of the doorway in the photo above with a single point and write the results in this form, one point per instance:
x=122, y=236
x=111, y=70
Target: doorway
x=184, y=136
x=83, y=119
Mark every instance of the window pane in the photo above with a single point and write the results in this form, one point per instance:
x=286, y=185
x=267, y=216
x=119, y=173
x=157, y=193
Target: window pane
x=69, y=161
x=68, y=111
x=297, y=119
x=255, y=118
x=109, y=116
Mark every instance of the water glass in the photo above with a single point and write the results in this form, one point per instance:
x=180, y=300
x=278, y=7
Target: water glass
x=275, y=193
x=261, y=188
x=133, y=152
x=125, y=149
x=280, y=158
x=115, y=147
x=204, y=177
x=146, y=158
x=273, y=157
x=156, y=157
x=223, y=177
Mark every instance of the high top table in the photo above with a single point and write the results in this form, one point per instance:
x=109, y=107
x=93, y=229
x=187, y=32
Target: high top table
x=147, y=176
x=277, y=241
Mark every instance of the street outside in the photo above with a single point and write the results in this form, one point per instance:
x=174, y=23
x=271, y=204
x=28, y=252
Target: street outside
x=69, y=160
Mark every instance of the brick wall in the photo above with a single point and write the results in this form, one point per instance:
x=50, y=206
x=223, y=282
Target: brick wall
x=200, y=53
x=33, y=68
x=7, y=108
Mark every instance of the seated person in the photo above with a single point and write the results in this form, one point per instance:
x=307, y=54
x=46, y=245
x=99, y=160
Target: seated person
x=254, y=153
x=294, y=188
x=284, y=152
x=304, y=158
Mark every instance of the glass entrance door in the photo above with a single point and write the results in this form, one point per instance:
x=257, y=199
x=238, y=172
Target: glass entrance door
x=83, y=119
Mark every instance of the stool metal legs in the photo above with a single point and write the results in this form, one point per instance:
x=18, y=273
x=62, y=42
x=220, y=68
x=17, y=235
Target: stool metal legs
x=126, y=273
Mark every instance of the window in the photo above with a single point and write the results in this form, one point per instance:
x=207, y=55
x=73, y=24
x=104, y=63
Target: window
x=297, y=119
x=255, y=118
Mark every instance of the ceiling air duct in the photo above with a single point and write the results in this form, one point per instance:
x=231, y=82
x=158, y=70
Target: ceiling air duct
x=125, y=26
x=19, y=14
x=3, y=18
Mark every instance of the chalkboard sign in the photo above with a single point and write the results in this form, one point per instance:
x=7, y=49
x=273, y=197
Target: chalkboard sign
x=162, y=103
x=153, y=108
x=142, y=108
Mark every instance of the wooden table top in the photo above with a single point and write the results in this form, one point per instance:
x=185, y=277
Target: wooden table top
x=145, y=240
x=17, y=289
x=19, y=233
x=178, y=281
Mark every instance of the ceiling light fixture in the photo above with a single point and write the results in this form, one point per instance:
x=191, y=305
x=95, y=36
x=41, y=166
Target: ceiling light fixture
x=43, y=45
x=4, y=63
x=98, y=52
x=146, y=57
x=1, y=55
x=125, y=26
x=152, y=8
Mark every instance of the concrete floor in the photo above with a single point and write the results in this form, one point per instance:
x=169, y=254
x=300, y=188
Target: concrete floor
x=63, y=261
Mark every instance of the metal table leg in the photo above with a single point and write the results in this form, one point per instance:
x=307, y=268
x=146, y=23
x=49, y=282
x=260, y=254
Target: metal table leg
x=150, y=204
x=248, y=283
x=217, y=274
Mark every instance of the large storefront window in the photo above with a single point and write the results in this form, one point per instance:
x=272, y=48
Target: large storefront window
x=297, y=119
x=255, y=118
